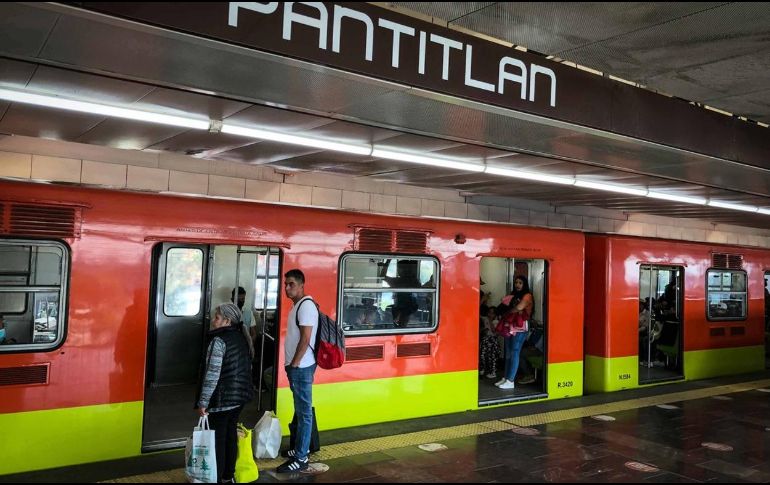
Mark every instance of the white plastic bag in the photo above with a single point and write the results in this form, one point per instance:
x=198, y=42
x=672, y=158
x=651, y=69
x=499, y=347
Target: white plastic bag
x=267, y=436
x=200, y=454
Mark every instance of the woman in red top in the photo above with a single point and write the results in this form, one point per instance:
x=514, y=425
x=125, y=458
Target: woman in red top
x=521, y=303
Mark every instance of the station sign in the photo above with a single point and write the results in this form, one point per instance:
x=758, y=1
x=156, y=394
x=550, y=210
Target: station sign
x=387, y=45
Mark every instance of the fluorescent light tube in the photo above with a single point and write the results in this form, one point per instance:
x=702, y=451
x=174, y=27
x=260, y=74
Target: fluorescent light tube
x=296, y=140
x=736, y=207
x=610, y=188
x=520, y=174
x=764, y=211
x=101, y=109
x=676, y=198
x=422, y=160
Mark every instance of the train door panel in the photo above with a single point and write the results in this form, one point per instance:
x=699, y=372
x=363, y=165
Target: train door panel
x=660, y=325
x=767, y=320
x=181, y=315
x=498, y=276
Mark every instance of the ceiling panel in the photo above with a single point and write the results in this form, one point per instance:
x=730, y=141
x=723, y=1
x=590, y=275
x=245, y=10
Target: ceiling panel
x=23, y=34
x=754, y=105
x=352, y=133
x=553, y=27
x=268, y=118
x=713, y=35
x=182, y=103
x=98, y=89
x=15, y=74
x=128, y=134
x=202, y=143
x=265, y=152
x=446, y=11
x=185, y=61
x=41, y=122
x=698, y=51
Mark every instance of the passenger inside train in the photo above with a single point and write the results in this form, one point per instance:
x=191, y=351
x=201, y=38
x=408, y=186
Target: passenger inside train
x=384, y=294
x=498, y=279
x=31, y=315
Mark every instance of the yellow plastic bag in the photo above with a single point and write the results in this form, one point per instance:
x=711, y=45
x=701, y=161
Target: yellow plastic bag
x=246, y=470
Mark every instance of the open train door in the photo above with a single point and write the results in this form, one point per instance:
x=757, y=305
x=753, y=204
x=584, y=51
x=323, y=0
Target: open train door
x=530, y=354
x=189, y=282
x=181, y=315
x=661, y=323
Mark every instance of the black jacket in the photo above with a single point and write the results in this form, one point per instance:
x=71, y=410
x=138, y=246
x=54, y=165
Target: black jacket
x=234, y=387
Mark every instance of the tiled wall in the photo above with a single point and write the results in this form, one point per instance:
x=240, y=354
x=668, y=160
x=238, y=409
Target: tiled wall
x=38, y=159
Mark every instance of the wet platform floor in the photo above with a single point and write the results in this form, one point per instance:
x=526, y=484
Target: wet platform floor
x=707, y=431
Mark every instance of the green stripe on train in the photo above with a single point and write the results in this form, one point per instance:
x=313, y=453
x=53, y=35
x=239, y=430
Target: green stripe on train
x=347, y=404
x=38, y=440
x=617, y=373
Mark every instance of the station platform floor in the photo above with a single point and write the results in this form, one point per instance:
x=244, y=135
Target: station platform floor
x=715, y=430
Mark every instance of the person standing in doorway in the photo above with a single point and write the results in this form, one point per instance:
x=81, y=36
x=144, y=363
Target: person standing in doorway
x=301, y=329
x=522, y=303
x=248, y=327
x=226, y=385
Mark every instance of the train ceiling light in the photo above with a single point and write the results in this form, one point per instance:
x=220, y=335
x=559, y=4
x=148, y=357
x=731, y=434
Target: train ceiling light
x=620, y=189
x=676, y=198
x=217, y=126
x=735, y=207
x=296, y=140
x=102, y=109
x=423, y=160
x=521, y=174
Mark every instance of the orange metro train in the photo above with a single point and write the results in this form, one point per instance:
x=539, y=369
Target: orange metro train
x=106, y=296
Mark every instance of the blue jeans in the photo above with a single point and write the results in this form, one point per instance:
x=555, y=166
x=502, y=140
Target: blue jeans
x=513, y=345
x=301, y=385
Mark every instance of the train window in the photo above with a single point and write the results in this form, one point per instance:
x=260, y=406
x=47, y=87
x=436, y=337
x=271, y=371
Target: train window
x=184, y=274
x=726, y=294
x=33, y=278
x=266, y=281
x=388, y=294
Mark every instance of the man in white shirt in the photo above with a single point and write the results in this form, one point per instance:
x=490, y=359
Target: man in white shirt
x=301, y=329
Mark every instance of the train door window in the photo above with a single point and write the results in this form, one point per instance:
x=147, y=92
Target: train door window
x=184, y=274
x=496, y=354
x=33, y=286
x=388, y=294
x=266, y=282
x=660, y=323
x=726, y=295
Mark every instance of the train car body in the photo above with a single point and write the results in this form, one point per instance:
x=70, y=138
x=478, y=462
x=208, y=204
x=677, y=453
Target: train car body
x=660, y=311
x=83, y=393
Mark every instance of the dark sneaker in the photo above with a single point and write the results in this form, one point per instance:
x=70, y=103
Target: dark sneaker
x=288, y=453
x=293, y=465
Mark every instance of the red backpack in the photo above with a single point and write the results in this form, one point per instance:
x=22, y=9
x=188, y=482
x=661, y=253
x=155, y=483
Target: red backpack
x=329, y=349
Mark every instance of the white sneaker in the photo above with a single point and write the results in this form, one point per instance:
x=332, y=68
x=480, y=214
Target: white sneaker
x=500, y=382
x=507, y=385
